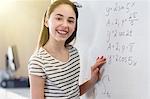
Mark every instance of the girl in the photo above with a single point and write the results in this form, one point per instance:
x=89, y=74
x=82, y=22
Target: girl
x=54, y=68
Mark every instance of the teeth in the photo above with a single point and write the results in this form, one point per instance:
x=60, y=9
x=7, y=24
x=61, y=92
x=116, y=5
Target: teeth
x=62, y=32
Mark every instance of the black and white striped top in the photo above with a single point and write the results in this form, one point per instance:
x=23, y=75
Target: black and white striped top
x=61, y=78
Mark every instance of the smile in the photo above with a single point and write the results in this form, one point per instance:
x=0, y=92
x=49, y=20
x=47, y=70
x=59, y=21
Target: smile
x=62, y=32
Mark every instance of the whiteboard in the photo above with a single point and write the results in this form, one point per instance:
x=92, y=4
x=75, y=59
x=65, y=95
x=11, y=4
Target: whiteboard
x=118, y=30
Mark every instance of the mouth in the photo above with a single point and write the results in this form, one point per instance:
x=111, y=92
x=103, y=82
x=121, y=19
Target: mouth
x=62, y=32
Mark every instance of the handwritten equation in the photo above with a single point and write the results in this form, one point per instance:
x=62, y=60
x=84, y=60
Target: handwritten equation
x=121, y=48
x=121, y=18
x=120, y=7
x=115, y=33
x=129, y=19
x=105, y=84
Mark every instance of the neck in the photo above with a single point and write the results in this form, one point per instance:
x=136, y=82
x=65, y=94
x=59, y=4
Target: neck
x=57, y=50
x=55, y=46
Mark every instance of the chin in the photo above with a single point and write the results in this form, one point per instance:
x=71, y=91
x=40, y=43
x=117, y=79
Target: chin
x=61, y=39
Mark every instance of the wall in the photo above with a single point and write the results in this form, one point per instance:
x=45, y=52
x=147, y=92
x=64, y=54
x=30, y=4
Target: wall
x=20, y=23
x=119, y=30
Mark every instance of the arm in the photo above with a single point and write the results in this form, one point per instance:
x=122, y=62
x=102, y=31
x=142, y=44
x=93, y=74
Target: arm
x=36, y=87
x=95, y=75
x=85, y=87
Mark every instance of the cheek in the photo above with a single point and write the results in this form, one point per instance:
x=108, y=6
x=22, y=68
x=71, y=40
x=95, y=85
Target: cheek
x=51, y=25
x=73, y=28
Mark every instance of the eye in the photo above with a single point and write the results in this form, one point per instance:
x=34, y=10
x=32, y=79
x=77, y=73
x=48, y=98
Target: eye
x=58, y=18
x=71, y=21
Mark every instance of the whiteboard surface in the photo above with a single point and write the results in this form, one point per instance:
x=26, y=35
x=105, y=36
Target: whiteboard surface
x=118, y=30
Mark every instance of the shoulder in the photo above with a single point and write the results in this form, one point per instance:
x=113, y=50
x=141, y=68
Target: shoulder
x=72, y=48
x=36, y=64
x=37, y=56
x=73, y=51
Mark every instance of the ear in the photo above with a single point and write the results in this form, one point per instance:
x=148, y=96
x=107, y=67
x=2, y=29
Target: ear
x=46, y=22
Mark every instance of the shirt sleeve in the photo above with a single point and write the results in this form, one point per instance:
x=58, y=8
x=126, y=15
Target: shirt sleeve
x=36, y=66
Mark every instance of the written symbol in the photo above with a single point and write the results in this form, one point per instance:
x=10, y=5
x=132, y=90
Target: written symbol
x=120, y=22
x=78, y=5
x=133, y=18
x=106, y=85
x=129, y=5
x=128, y=60
x=113, y=34
x=115, y=22
x=118, y=7
x=117, y=47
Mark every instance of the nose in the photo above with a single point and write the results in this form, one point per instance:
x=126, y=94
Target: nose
x=65, y=24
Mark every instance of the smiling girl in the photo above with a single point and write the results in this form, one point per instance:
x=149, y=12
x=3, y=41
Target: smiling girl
x=54, y=68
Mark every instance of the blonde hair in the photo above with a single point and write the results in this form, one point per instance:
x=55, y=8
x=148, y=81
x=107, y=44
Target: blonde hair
x=44, y=34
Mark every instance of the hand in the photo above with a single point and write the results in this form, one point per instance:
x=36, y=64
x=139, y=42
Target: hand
x=95, y=69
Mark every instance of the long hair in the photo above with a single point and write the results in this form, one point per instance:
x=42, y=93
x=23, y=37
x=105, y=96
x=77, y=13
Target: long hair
x=44, y=34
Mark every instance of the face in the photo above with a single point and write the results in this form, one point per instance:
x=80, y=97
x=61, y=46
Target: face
x=62, y=23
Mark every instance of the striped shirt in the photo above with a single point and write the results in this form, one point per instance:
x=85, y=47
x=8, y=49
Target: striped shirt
x=61, y=78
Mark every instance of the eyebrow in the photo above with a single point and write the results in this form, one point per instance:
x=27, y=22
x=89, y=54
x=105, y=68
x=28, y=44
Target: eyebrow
x=62, y=16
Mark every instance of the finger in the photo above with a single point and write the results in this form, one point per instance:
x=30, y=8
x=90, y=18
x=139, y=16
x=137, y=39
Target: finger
x=99, y=75
x=100, y=59
x=97, y=58
x=101, y=63
x=98, y=64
